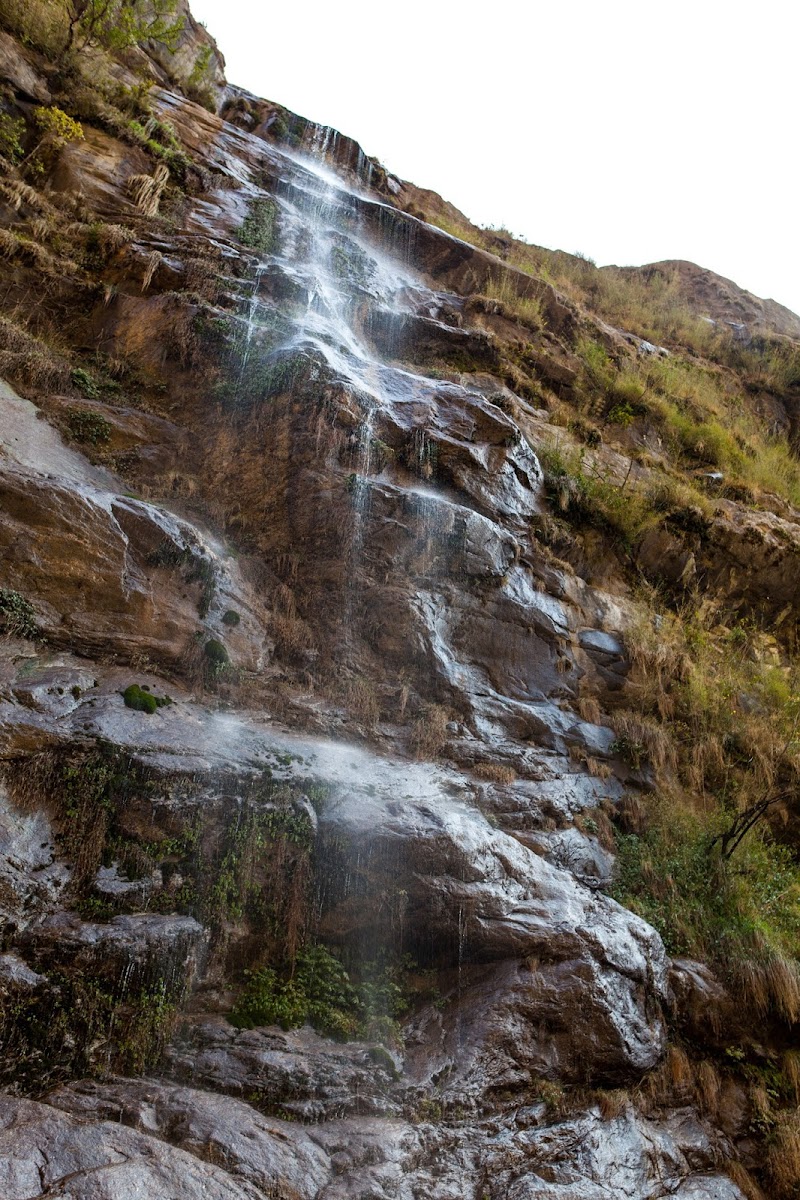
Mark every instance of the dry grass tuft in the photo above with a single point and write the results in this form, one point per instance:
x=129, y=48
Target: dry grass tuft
x=612, y=1104
x=783, y=1157
x=744, y=1180
x=589, y=709
x=790, y=1069
x=767, y=981
x=294, y=639
x=28, y=360
x=527, y=309
x=645, y=740
x=359, y=696
x=429, y=732
x=679, y=1070
x=708, y=1087
x=494, y=772
x=10, y=244
x=597, y=768
x=146, y=190
x=595, y=821
x=16, y=193
x=153, y=261
x=761, y=1103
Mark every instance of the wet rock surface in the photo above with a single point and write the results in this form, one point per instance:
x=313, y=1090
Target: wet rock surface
x=335, y=533
x=125, y=1134
x=136, y=949
x=45, y=1152
x=296, y=1072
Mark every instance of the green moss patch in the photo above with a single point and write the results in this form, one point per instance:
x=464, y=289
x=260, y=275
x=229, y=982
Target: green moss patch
x=141, y=698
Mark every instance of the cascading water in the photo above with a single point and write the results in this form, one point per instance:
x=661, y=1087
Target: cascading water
x=338, y=277
x=332, y=287
x=252, y=310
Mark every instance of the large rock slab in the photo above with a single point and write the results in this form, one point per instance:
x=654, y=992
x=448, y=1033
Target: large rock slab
x=277, y=1156
x=297, y=1072
x=525, y=1155
x=500, y=1031
x=129, y=951
x=32, y=879
x=48, y=1153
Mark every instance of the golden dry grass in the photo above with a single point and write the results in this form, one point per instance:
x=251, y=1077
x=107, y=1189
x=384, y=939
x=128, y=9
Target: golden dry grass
x=612, y=1103
x=783, y=1156
x=744, y=1180
x=527, y=309
x=494, y=772
x=146, y=190
x=293, y=636
x=28, y=360
x=708, y=1086
x=429, y=732
x=654, y=741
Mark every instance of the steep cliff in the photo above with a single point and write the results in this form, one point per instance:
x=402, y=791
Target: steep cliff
x=398, y=699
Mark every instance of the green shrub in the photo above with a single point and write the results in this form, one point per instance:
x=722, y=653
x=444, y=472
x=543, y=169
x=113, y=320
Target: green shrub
x=142, y=699
x=83, y=381
x=12, y=131
x=56, y=125
x=622, y=414
x=136, y=697
x=258, y=229
x=87, y=426
x=741, y=915
x=216, y=654
x=17, y=615
x=587, y=498
x=231, y=618
x=284, y=129
x=120, y=24
x=199, y=85
x=322, y=993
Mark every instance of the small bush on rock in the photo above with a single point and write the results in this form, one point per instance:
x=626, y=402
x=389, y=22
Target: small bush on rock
x=217, y=657
x=83, y=381
x=17, y=615
x=320, y=992
x=323, y=994
x=87, y=426
x=12, y=130
x=141, y=699
x=258, y=228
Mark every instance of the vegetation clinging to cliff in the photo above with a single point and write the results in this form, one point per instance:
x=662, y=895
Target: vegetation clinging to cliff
x=61, y=27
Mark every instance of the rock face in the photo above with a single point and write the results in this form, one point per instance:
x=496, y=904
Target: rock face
x=47, y=1152
x=104, y=566
x=722, y=300
x=289, y=661
x=105, y=1138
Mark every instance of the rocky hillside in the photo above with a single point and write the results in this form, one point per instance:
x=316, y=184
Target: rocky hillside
x=398, y=698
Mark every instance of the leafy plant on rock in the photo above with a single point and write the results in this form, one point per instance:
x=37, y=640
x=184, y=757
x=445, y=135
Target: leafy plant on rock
x=141, y=699
x=120, y=24
x=258, y=229
x=12, y=131
x=87, y=426
x=17, y=615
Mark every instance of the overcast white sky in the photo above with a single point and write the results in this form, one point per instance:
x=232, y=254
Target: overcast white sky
x=629, y=130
